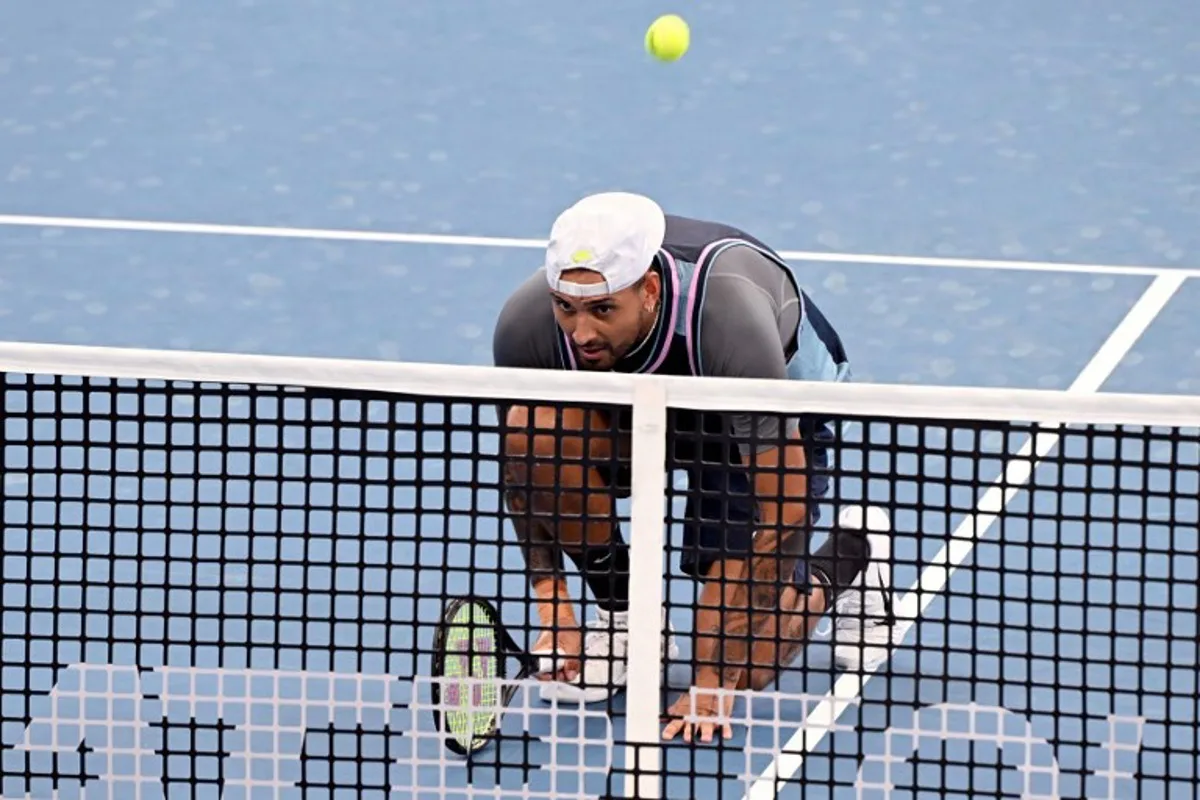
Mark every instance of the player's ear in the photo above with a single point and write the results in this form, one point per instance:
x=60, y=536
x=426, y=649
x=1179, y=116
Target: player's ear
x=651, y=290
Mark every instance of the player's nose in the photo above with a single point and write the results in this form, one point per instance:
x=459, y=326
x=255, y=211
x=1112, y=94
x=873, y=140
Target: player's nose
x=584, y=334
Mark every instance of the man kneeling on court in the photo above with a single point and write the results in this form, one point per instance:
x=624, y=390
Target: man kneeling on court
x=628, y=288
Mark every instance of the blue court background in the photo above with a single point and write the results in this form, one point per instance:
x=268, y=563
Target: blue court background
x=1022, y=130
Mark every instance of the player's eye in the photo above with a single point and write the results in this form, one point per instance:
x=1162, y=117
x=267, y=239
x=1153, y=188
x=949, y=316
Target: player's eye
x=563, y=306
x=604, y=309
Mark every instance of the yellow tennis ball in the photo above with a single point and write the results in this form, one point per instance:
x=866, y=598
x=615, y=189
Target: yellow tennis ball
x=668, y=38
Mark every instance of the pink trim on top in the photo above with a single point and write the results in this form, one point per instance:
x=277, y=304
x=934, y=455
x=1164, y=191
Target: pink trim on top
x=693, y=298
x=669, y=333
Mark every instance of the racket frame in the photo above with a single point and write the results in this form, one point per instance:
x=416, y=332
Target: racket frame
x=507, y=648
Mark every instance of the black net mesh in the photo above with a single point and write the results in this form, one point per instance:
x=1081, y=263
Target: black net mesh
x=218, y=590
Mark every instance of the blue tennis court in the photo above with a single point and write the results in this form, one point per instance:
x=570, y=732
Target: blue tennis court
x=976, y=194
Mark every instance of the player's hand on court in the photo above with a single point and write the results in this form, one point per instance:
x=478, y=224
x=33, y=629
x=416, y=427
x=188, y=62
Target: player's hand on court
x=568, y=644
x=708, y=703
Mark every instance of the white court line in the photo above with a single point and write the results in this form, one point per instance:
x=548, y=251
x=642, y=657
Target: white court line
x=207, y=229
x=848, y=689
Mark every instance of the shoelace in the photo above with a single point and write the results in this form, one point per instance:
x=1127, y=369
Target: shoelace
x=868, y=604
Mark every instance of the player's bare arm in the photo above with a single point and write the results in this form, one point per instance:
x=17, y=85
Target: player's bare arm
x=543, y=556
x=558, y=505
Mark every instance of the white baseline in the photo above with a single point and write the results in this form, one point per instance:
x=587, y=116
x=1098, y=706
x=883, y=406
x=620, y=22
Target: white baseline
x=446, y=240
x=848, y=689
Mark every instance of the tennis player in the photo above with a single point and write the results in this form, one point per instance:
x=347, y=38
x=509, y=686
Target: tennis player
x=626, y=287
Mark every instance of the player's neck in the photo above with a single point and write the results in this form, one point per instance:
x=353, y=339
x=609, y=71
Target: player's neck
x=648, y=328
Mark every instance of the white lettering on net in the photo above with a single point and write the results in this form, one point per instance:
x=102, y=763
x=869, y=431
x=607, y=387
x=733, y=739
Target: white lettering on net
x=116, y=711
x=96, y=711
x=933, y=723
x=113, y=715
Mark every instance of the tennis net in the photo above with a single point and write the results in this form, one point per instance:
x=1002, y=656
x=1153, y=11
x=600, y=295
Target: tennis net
x=223, y=575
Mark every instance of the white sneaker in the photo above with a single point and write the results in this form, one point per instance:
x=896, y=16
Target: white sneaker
x=605, y=670
x=864, y=619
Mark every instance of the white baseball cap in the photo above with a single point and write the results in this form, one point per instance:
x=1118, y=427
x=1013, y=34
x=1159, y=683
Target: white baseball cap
x=616, y=234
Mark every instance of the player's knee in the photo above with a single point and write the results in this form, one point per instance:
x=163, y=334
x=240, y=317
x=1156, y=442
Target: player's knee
x=530, y=475
x=526, y=455
x=545, y=433
x=518, y=442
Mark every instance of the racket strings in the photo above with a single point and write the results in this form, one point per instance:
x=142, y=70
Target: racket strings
x=473, y=677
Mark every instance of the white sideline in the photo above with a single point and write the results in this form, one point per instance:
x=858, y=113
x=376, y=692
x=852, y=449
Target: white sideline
x=848, y=689
x=448, y=240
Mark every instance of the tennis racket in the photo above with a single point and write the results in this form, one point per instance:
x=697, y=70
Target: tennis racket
x=471, y=689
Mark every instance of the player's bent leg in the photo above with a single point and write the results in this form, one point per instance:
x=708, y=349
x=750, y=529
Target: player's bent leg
x=777, y=643
x=720, y=532
x=850, y=573
x=556, y=462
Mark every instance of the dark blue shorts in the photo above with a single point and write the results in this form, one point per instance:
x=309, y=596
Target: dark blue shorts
x=719, y=518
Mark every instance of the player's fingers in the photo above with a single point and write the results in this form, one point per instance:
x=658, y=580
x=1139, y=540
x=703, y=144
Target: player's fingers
x=672, y=729
x=565, y=669
x=563, y=672
x=726, y=714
